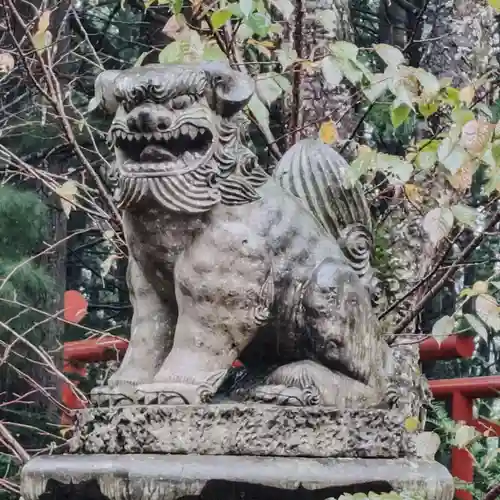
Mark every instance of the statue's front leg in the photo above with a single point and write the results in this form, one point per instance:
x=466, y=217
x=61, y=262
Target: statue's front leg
x=218, y=317
x=152, y=332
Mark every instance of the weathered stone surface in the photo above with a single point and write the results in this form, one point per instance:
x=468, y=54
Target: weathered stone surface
x=225, y=262
x=153, y=477
x=257, y=429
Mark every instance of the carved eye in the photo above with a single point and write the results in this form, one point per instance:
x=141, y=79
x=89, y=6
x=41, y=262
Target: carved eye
x=181, y=102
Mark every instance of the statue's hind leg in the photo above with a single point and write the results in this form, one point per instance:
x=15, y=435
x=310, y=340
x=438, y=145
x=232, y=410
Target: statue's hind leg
x=341, y=328
x=307, y=383
x=151, y=339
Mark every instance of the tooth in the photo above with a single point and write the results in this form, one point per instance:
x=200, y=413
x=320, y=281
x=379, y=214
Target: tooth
x=166, y=136
x=130, y=137
x=138, y=137
x=157, y=136
x=185, y=129
x=193, y=132
x=176, y=132
x=148, y=136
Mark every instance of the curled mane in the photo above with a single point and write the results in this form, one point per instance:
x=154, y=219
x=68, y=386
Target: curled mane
x=239, y=173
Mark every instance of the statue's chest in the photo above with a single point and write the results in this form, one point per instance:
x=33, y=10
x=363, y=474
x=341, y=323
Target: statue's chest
x=158, y=239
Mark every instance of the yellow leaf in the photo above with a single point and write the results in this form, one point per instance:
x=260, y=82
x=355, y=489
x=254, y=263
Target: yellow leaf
x=7, y=62
x=67, y=192
x=41, y=40
x=475, y=135
x=412, y=424
x=480, y=287
x=467, y=94
x=328, y=132
x=462, y=178
x=44, y=21
x=65, y=431
x=413, y=193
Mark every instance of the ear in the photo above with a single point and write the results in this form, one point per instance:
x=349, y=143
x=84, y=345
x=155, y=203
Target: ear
x=230, y=90
x=104, y=99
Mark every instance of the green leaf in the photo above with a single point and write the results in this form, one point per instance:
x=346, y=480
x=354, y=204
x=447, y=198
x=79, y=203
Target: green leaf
x=430, y=84
x=219, y=18
x=443, y=327
x=286, y=55
x=438, y=223
x=350, y=70
x=392, y=56
x=246, y=7
x=427, y=444
x=331, y=71
x=344, y=50
x=452, y=155
x=426, y=159
x=212, y=52
x=399, y=115
x=465, y=215
x=400, y=168
x=452, y=97
x=176, y=6
x=477, y=326
x=364, y=162
x=377, y=87
x=462, y=116
x=487, y=310
x=268, y=88
x=235, y=10
x=172, y=53
x=428, y=109
x=259, y=23
x=464, y=435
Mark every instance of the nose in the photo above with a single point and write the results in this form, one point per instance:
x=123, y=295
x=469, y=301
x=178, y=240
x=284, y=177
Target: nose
x=146, y=119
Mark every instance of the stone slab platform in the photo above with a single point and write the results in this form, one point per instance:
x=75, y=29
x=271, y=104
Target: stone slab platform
x=232, y=429
x=193, y=477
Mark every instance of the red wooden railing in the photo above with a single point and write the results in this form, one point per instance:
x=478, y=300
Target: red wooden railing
x=462, y=391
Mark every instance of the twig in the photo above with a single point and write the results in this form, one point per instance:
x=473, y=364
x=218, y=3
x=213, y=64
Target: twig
x=13, y=444
x=436, y=287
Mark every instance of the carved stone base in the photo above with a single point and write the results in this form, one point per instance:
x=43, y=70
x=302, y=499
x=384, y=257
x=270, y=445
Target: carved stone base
x=233, y=429
x=195, y=477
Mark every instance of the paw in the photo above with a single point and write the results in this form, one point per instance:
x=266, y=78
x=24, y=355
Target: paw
x=286, y=396
x=119, y=395
x=173, y=393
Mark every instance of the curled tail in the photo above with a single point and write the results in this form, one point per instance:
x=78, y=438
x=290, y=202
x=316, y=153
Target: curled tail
x=316, y=174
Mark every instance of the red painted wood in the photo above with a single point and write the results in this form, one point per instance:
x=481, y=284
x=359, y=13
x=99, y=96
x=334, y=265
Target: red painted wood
x=69, y=398
x=92, y=350
x=486, y=427
x=452, y=347
x=75, y=306
x=473, y=387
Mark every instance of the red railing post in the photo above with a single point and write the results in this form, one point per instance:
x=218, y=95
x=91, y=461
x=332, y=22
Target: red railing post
x=462, y=462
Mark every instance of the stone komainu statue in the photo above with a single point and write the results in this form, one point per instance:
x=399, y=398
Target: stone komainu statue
x=229, y=263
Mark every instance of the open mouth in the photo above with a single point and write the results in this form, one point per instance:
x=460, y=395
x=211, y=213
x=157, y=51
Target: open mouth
x=184, y=144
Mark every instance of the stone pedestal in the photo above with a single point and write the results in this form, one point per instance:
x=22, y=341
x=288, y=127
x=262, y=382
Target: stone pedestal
x=204, y=477
x=238, y=429
x=234, y=452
